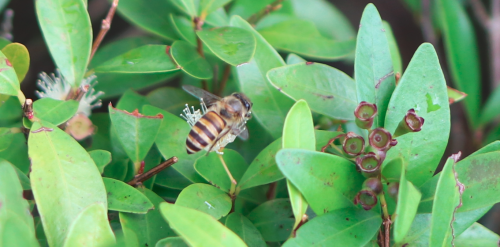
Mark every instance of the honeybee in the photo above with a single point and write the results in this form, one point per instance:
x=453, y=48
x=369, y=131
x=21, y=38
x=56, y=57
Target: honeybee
x=221, y=120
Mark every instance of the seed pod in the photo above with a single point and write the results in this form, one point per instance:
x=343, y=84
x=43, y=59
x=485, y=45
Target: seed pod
x=393, y=190
x=411, y=123
x=373, y=184
x=367, y=199
x=369, y=164
x=353, y=144
x=381, y=139
x=365, y=113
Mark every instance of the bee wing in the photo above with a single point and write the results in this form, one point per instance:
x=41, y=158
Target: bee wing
x=207, y=97
x=244, y=134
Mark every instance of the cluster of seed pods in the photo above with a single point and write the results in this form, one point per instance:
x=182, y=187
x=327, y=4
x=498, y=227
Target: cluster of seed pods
x=369, y=159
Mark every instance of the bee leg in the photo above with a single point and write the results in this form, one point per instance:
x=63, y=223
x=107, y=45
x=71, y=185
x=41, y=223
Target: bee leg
x=227, y=169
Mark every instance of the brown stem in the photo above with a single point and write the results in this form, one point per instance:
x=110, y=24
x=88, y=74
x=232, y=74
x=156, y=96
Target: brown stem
x=271, y=192
x=28, y=109
x=276, y=5
x=105, y=26
x=225, y=77
x=155, y=170
x=387, y=219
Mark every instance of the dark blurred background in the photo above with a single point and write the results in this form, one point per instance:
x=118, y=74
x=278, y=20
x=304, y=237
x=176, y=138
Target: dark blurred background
x=406, y=27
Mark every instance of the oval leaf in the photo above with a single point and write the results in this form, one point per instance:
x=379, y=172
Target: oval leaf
x=191, y=223
x=242, y=226
x=273, y=219
x=171, y=242
x=55, y=111
x=19, y=57
x=186, y=56
x=67, y=32
x=100, y=234
x=9, y=84
x=125, y=198
x=231, y=44
x=101, y=158
x=205, y=198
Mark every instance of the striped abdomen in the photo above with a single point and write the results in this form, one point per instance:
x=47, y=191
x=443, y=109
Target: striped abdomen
x=204, y=132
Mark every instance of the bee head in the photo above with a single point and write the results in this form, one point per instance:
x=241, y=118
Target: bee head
x=244, y=101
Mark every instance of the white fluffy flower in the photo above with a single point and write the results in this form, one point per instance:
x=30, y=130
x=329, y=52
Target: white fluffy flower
x=56, y=87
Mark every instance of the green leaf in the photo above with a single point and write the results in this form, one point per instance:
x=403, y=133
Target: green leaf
x=171, y=99
x=397, y=62
x=462, y=57
x=242, y=226
x=456, y=96
x=446, y=199
x=14, y=149
x=273, y=219
x=15, y=217
x=184, y=28
x=190, y=224
x=101, y=158
x=54, y=111
x=125, y=198
x=9, y=84
x=25, y=181
x=100, y=234
x=406, y=208
x=64, y=180
x=480, y=175
x=114, y=84
x=328, y=182
x=67, y=32
x=19, y=57
x=210, y=167
x=490, y=110
x=329, y=91
x=171, y=141
x=329, y=20
x=373, y=67
x=130, y=101
x=422, y=88
x=270, y=106
x=137, y=132
x=189, y=7
x=477, y=235
x=302, y=37
x=173, y=179
x=151, y=15
x=231, y=44
x=209, y=6
x=145, y=59
x=294, y=59
x=343, y=227
x=186, y=56
x=146, y=229
x=205, y=198
x=171, y=242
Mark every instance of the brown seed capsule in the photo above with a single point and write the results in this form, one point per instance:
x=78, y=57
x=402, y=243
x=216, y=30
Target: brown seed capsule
x=367, y=199
x=411, y=123
x=353, y=144
x=369, y=163
x=365, y=113
x=373, y=184
x=381, y=139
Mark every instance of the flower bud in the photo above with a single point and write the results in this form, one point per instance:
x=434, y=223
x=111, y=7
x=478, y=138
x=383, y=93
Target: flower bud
x=353, y=144
x=369, y=163
x=373, y=184
x=381, y=139
x=393, y=190
x=365, y=113
x=367, y=199
x=410, y=123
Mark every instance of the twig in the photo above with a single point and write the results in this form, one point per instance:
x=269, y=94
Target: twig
x=225, y=77
x=276, y=5
x=387, y=219
x=480, y=13
x=271, y=192
x=105, y=26
x=155, y=170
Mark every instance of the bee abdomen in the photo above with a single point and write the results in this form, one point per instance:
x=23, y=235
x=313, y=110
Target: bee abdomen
x=204, y=132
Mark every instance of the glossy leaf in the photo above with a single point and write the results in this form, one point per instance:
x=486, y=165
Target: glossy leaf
x=302, y=37
x=130, y=101
x=422, y=88
x=242, y=226
x=462, y=57
x=189, y=7
x=327, y=90
x=67, y=32
x=54, y=111
x=490, y=110
x=343, y=227
x=191, y=223
x=146, y=229
x=477, y=235
x=151, y=15
x=137, y=132
x=15, y=150
x=9, y=84
x=184, y=28
x=205, y=198
x=397, y=62
x=173, y=179
x=373, y=67
x=171, y=141
x=273, y=219
x=101, y=158
x=270, y=106
x=210, y=167
x=171, y=242
x=15, y=217
x=64, y=180
x=231, y=44
x=446, y=199
x=19, y=57
x=186, y=56
x=209, y=6
x=125, y=198
x=327, y=182
x=294, y=59
x=171, y=99
x=145, y=59
x=100, y=234
x=406, y=208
